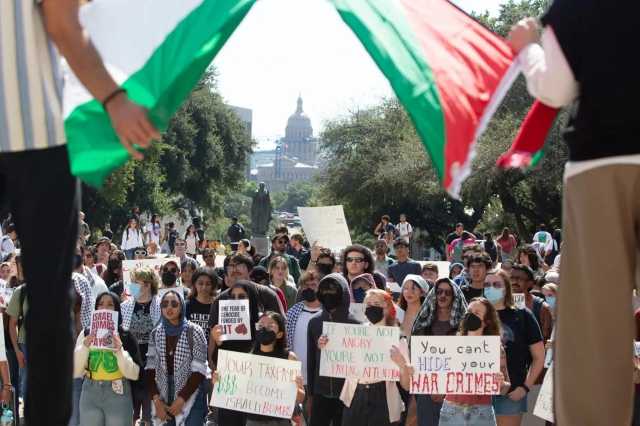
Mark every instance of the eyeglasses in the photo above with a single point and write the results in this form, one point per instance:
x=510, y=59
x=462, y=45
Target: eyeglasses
x=173, y=303
x=444, y=291
x=497, y=284
x=355, y=259
x=172, y=270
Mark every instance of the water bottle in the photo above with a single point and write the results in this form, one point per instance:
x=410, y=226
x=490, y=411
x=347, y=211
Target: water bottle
x=7, y=418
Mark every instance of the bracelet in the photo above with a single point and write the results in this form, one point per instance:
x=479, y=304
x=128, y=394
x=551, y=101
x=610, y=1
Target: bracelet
x=112, y=96
x=525, y=387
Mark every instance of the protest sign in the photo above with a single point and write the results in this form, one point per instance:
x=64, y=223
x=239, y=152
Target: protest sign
x=326, y=226
x=518, y=300
x=256, y=384
x=234, y=319
x=464, y=365
x=636, y=348
x=359, y=351
x=104, y=324
x=544, y=403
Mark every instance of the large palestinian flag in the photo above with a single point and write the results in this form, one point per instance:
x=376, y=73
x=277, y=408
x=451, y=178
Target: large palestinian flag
x=448, y=71
x=157, y=50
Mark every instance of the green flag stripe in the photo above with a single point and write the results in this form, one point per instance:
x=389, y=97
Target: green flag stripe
x=385, y=33
x=161, y=85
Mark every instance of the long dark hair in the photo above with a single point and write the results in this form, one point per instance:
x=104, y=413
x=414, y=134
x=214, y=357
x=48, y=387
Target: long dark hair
x=368, y=257
x=531, y=253
x=281, y=343
x=492, y=325
x=206, y=272
x=109, y=275
x=195, y=232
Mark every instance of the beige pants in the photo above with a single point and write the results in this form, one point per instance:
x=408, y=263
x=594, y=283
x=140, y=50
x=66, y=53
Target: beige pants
x=595, y=328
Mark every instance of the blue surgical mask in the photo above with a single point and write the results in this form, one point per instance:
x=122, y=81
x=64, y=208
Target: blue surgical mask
x=134, y=289
x=358, y=295
x=494, y=295
x=551, y=301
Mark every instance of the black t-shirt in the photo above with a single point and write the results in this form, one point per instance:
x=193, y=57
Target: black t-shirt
x=452, y=236
x=199, y=313
x=519, y=331
x=141, y=326
x=470, y=292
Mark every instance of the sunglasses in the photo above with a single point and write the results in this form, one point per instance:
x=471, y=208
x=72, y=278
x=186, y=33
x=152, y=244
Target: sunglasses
x=172, y=270
x=140, y=253
x=444, y=291
x=173, y=303
x=355, y=259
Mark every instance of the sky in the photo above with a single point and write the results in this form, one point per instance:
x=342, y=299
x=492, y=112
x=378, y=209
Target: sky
x=286, y=48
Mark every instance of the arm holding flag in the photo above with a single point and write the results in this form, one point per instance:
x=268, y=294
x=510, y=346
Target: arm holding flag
x=129, y=120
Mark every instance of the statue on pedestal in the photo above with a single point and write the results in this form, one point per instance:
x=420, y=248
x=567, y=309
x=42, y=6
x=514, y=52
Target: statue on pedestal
x=260, y=211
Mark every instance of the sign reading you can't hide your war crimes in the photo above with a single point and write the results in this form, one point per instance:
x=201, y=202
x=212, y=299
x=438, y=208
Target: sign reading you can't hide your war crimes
x=468, y=365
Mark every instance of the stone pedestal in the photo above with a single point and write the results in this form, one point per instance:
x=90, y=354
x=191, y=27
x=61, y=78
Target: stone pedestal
x=261, y=245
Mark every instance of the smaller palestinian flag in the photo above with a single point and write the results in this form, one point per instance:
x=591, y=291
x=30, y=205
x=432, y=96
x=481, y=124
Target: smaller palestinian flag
x=155, y=49
x=527, y=148
x=449, y=72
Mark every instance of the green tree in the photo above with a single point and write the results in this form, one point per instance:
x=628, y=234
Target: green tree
x=298, y=194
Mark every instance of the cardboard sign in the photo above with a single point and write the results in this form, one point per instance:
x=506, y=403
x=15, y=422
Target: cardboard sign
x=636, y=348
x=326, y=225
x=544, y=403
x=256, y=384
x=235, y=321
x=104, y=324
x=359, y=351
x=462, y=365
x=518, y=300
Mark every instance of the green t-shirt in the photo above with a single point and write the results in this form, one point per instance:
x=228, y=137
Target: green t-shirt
x=13, y=310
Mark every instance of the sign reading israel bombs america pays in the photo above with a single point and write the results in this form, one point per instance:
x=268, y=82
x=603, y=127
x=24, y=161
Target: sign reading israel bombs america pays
x=359, y=351
x=234, y=318
x=256, y=384
x=467, y=365
x=104, y=324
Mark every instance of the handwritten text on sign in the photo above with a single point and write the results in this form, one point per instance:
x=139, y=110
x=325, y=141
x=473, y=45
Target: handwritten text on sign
x=104, y=324
x=256, y=384
x=466, y=365
x=234, y=319
x=359, y=351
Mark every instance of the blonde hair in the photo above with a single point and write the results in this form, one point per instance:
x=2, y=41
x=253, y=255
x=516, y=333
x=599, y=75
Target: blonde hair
x=274, y=262
x=146, y=275
x=551, y=287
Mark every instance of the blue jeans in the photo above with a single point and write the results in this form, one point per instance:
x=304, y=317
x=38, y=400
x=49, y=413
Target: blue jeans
x=200, y=407
x=75, y=410
x=130, y=253
x=14, y=374
x=466, y=415
x=428, y=411
x=100, y=405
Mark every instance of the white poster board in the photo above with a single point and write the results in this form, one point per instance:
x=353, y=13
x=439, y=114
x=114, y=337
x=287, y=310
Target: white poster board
x=256, y=384
x=326, y=225
x=104, y=324
x=359, y=351
x=234, y=318
x=544, y=404
x=462, y=365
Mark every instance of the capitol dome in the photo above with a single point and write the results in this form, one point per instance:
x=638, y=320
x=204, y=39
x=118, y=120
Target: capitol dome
x=298, y=125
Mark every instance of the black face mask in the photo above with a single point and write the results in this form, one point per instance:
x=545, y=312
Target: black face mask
x=324, y=269
x=114, y=264
x=77, y=261
x=309, y=295
x=265, y=336
x=472, y=322
x=169, y=279
x=374, y=314
x=330, y=301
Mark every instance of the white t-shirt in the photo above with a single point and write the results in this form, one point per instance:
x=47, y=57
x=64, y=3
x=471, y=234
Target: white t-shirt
x=6, y=247
x=132, y=239
x=404, y=229
x=192, y=244
x=154, y=232
x=300, y=337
